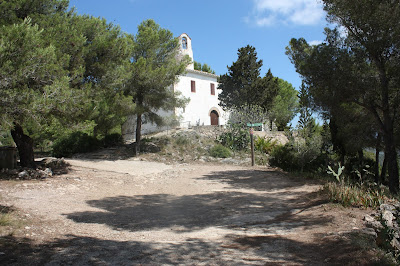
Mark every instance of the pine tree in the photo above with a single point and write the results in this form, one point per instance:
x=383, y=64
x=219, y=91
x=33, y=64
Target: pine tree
x=243, y=86
x=153, y=70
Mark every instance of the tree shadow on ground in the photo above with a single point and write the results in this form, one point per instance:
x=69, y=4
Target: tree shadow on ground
x=261, y=180
x=191, y=212
x=234, y=250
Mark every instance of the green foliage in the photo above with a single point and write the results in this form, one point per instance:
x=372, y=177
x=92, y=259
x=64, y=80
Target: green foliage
x=236, y=138
x=220, y=151
x=76, y=142
x=355, y=195
x=360, y=77
x=300, y=155
x=114, y=139
x=6, y=139
x=182, y=140
x=6, y=218
x=285, y=105
x=28, y=69
x=284, y=157
x=247, y=114
x=243, y=86
x=154, y=68
x=204, y=67
x=57, y=65
x=265, y=145
x=197, y=65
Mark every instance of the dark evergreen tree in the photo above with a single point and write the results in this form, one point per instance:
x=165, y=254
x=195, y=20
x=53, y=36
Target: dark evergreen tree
x=55, y=66
x=243, y=86
x=361, y=67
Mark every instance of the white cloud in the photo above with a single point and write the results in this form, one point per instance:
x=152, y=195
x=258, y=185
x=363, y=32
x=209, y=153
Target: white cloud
x=315, y=42
x=298, y=12
x=266, y=21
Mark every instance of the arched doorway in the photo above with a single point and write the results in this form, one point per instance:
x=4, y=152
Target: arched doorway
x=214, y=118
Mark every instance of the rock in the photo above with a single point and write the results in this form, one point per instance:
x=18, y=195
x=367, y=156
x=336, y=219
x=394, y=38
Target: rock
x=388, y=207
x=395, y=244
x=41, y=174
x=24, y=174
x=371, y=222
x=54, y=163
x=388, y=218
x=369, y=231
x=48, y=172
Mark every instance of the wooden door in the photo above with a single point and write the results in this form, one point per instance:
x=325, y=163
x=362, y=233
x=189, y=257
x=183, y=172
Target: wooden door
x=214, y=118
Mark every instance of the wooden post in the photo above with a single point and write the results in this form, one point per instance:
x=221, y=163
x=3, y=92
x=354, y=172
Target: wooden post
x=252, y=146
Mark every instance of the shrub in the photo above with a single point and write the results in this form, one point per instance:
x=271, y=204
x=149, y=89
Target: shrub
x=76, y=142
x=182, y=140
x=5, y=216
x=283, y=156
x=219, y=151
x=113, y=140
x=355, y=195
x=236, y=138
x=299, y=155
x=264, y=145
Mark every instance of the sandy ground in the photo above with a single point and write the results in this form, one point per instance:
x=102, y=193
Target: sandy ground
x=132, y=212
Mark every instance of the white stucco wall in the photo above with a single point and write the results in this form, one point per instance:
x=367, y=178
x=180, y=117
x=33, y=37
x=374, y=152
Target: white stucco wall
x=197, y=112
x=129, y=127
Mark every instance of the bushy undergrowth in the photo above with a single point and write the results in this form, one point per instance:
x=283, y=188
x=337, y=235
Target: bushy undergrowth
x=290, y=159
x=236, y=138
x=5, y=216
x=355, y=195
x=265, y=145
x=79, y=142
x=220, y=151
x=76, y=142
x=113, y=140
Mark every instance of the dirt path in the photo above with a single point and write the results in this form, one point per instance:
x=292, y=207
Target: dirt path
x=137, y=212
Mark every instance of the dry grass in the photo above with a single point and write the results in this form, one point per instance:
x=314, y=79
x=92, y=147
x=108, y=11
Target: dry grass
x=355, y=195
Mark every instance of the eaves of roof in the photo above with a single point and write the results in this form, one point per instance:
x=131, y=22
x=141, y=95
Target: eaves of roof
x=202, y=73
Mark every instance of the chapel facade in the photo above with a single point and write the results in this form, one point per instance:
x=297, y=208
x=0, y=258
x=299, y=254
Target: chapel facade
x=201, y=88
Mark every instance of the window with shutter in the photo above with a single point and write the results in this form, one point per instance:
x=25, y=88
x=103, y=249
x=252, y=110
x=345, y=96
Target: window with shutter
x=212, y=89
x=193, y=85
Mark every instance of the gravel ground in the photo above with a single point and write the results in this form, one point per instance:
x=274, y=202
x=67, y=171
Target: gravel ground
x=130, y=212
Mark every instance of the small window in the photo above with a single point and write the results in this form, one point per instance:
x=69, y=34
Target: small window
x=184, y=43
x=212, y=86
x=193, y=86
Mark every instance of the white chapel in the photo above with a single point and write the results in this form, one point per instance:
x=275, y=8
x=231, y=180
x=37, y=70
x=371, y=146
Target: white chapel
x=201, y=88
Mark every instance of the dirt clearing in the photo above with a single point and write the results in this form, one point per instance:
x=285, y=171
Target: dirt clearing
x=131, y=212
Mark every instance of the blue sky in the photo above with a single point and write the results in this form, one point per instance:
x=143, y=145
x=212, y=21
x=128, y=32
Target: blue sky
x=219, y=28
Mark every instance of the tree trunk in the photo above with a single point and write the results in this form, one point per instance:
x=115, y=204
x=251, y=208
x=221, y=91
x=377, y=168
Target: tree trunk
x=383, y=173
x=392, y=166
x=388, y=129
x=337, y=143
x=377, y=151
x=138, y=133
x=361, y=163
x=24, y=146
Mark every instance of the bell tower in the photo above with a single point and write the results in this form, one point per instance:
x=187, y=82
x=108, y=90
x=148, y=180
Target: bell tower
x=185, y=48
